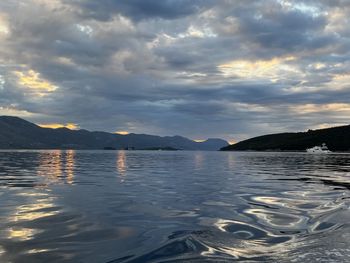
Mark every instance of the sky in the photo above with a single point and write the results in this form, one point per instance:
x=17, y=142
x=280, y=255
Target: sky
x=197, y=68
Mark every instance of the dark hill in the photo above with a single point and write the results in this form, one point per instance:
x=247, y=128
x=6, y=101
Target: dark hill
x=16, y=133
x=337, y=139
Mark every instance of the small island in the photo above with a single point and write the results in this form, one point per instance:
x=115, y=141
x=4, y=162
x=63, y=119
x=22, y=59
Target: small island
x=336, y=138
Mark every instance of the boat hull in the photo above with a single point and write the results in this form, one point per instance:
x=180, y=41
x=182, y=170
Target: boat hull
x=317, y=151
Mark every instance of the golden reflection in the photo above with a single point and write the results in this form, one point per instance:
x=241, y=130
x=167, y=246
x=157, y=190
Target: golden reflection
x=121, y=164
x=34, y=211
x=70, y=164
x=50, y=165
x=35, y=251
x=22, y=234
x=57, y=166
x=39, y=205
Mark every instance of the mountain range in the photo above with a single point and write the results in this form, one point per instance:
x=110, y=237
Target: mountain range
x=336, y=138
x=17, y=133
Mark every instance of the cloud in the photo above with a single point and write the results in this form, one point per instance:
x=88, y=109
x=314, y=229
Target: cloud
x=71, y=126
x=140, y=9
x=31, y=81
x=122, y=132
x=231, y=69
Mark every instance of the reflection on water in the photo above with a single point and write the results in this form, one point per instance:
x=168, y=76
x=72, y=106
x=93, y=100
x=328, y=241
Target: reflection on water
x=34, y=210
x=50, y=165
x=21, y=233
x=70, y=163
x=37, y=206
x=198, y=160
x=121, y=164
x=57, y=166
x=67, y=206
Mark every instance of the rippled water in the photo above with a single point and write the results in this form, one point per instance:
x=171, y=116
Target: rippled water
x=143, y=206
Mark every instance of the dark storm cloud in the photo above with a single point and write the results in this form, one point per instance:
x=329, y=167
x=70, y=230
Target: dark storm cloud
x=229, y=69
x=140, y=9
x=275, y=29
x=289, y=30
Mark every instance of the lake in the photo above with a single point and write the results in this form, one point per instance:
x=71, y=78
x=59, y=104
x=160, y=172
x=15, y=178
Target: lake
x=159, y=206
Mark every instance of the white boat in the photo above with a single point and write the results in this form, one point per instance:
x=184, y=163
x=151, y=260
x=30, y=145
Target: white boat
x=319, y=149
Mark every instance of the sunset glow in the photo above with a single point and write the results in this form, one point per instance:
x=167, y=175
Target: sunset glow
x=71, y=126
x=122, y=132
x=33, y=81
x=257, y=69
x=199, y=140
x=174, y=131
x=199, y=69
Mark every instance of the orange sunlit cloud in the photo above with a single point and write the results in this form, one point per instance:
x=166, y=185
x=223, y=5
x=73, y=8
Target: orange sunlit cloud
x=199, y=140
x=33, y=81
x=4, y=27
x=122, y=132
x=328, y=125
x=14, y=112
x=71, y=126
x=315, y=108
x=259, y=68
x=214, y=73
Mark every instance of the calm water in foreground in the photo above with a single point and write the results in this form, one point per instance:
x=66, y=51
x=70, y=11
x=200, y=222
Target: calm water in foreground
x=143, y=206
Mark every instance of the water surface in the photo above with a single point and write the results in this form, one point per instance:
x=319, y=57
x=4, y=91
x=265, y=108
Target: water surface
x=156, y=206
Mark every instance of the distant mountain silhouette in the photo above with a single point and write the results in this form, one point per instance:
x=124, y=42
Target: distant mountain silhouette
x=337, y=139
x=16, y=133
